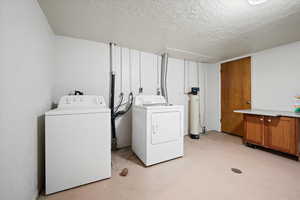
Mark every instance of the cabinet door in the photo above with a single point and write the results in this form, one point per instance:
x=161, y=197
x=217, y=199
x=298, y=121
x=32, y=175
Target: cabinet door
x=281, y=134
x=254, y=129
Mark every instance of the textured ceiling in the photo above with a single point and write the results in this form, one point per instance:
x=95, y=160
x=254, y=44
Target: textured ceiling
x=204, y=30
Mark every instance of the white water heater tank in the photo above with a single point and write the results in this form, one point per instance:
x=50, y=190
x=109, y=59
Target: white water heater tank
x=194, y=116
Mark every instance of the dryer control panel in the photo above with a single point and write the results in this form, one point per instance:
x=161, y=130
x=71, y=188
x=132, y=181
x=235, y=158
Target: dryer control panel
x=74, y=101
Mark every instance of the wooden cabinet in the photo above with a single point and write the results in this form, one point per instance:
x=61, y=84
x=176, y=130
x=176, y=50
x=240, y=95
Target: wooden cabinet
x=254, y=129
x=278, y=133
x=281, y=134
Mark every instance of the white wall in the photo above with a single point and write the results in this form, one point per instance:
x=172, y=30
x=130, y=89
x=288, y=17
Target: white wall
x=81, y=65
x=213, y=107
x=275, y=81
x=276, y=77
x=84, y=65
x=25, y=86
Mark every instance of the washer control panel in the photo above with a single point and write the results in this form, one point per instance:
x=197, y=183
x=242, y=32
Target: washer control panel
x=73, y=101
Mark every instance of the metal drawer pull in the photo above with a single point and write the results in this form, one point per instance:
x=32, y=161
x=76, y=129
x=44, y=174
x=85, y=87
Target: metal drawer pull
x=262, y=119
x=269, y=120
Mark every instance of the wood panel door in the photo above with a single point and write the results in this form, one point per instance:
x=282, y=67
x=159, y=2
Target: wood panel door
x=254, y=129
x=281, y=134
x=235, y=94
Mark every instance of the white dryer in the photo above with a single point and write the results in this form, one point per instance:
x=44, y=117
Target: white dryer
x=157, y=129
x=77, y=143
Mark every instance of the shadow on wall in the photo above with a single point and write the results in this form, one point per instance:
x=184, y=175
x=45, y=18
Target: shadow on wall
x=41, y=152
x=124, y=129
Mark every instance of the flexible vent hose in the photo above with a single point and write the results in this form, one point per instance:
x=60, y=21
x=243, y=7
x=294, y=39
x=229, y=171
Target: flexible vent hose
x=164, y=71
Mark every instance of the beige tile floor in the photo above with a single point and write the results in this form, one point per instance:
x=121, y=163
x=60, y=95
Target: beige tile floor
x=203, y=173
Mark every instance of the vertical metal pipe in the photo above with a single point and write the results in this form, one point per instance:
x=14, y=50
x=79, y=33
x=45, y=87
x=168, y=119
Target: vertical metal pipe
x=140, y=73
x=164, y=73
x=130, y=70
x=121, y=70
x=112, y=78
x=158, y=78
x=112, y=99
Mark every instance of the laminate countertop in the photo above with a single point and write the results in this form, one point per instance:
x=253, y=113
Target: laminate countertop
x=271, y=113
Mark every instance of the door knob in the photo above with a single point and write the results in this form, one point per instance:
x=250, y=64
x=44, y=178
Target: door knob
x=262, y=119
x=248, y=102
x=269, y=120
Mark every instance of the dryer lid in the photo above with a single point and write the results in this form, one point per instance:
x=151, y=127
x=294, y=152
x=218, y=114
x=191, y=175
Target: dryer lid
x=147, y=100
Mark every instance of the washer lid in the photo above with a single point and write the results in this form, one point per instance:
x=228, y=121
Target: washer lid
x=74, y=111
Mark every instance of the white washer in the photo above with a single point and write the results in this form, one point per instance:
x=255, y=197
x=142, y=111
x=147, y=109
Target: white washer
x=157, y=134
x=77, y=143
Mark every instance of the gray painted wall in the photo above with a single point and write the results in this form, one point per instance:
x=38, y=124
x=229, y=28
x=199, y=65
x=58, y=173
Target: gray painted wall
x=25, y=86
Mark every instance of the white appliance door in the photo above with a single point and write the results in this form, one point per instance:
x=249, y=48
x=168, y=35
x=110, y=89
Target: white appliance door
x=165, y=126
x=77, y=150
